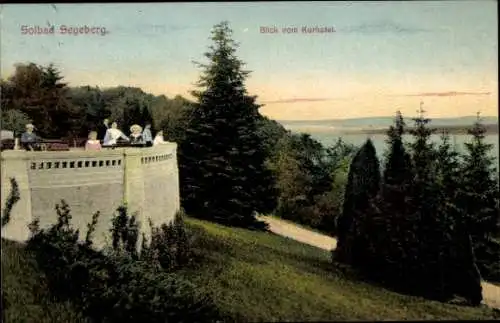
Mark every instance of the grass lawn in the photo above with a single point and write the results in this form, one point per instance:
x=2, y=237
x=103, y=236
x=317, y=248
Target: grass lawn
x=253, y=276
x=25, y=291
x=257, y=276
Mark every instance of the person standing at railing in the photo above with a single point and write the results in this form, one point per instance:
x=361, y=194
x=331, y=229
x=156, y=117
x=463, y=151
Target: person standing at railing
x=102, y=129
x=113, y=134
x=29, y=139
x=92, y=143
x=147, y=137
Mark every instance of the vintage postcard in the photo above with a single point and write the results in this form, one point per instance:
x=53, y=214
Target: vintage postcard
x=249, y=161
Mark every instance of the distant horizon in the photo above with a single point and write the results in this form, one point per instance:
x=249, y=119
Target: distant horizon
x=392, y=117
x=372, y=58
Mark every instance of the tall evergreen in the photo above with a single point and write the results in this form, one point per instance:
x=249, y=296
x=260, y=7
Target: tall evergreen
x=478, y=200
x=458, y=272
x=398, y=164
x=395, y=232
x=221, y=161
x=429, y=261
x=362, y=187
x=480, y=192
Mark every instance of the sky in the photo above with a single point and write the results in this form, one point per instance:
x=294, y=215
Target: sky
x=379, y=57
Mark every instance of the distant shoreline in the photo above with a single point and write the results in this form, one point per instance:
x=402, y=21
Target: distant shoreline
x=491, y=129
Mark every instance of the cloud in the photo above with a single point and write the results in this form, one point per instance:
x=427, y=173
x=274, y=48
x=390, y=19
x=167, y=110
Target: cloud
x=451, y=93
x=298, y=100
x=381, y=27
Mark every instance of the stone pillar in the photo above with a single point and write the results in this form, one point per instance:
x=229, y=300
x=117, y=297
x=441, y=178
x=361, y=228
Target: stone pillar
x=133, y=186
x=175, y=177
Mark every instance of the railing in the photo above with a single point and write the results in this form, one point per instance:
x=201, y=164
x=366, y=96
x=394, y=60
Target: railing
x=145, y=179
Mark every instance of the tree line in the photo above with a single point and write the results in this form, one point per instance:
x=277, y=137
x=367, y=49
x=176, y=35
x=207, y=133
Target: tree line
x=38, y=94
x=429, y=223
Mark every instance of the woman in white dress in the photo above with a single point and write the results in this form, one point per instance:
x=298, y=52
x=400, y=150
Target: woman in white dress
x=113, y=134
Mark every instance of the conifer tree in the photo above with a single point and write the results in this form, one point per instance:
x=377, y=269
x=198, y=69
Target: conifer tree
x=397, y=170
x=458, y=273
x=478, y=200
x=362, y=187
x=429, y=260
x=392, y=222
x=221, y=161
x=480, y=191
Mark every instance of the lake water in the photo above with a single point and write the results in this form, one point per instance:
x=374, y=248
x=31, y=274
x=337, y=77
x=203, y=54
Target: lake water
x=329, y=139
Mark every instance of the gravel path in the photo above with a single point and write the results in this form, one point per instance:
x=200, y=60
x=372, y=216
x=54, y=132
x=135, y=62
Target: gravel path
x=491, y=293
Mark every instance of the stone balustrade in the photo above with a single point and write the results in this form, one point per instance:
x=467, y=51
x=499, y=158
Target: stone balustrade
x=144, y=179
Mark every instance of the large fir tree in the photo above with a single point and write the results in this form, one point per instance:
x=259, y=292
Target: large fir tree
x=393, y=245
x=221, y=159
x=363, y=185
x=478, y=201
x=457, y=270
x=480, y=193
x=428, y=262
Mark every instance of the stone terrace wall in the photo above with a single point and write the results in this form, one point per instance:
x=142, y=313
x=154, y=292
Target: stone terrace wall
x=145, y=179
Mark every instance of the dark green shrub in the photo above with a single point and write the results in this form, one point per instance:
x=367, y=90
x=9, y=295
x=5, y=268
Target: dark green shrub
x=115, y=285
x=170, y=244
x=125, y=232
x=56, y=250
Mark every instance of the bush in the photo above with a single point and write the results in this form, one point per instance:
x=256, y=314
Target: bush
x=170, y=245
x=118, y=285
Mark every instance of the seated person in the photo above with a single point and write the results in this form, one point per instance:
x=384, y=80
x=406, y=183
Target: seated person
x=158, y=138
x=136, y=135
x=93, y=143
x=113, y=134
x=29, y=140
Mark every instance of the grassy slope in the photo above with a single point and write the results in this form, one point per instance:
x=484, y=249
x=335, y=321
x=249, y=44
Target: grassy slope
x=256, y=276
x=26, y=292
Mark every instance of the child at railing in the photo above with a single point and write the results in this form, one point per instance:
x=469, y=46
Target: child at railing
x=92, y=143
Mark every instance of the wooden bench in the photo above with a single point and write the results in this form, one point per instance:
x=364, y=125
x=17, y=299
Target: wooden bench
x=54, y=145
x=78, y=142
